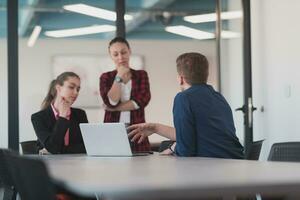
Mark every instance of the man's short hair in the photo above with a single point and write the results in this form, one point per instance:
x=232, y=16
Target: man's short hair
x=193, y=67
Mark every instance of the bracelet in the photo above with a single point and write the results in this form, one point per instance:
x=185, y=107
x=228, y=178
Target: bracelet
x=170, y=147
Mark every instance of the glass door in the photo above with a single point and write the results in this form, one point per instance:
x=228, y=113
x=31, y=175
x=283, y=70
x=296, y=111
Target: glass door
x=236, y=69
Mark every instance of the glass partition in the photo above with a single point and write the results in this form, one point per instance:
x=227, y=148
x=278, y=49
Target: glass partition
x=232, y=77
x=60, y=35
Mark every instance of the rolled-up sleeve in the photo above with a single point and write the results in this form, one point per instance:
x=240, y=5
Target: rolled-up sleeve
x=106, y=82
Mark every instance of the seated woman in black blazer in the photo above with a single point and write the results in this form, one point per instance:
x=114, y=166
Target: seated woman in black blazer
x=57, y=124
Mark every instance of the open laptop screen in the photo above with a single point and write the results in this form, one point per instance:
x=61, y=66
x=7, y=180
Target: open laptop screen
x=105, y=139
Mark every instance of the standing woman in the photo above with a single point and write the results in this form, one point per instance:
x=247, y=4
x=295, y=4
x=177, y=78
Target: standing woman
x=57, y=124
x=125, y=91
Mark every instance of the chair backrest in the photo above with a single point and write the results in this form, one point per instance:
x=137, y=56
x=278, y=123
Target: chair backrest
x=29, y=147
x=6, y=179
x=286, y=151
x=31, y=178
x=254, y=151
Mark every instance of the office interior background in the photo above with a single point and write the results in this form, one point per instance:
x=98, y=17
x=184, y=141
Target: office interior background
x=275, y=59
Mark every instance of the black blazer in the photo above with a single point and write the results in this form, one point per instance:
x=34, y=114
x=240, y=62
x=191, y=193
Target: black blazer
x=51, y=132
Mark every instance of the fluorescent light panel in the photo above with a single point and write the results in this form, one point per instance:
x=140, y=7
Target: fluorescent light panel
x=197, y=34
x=230, y=34
x=94, y=12
x=34, y=36
x=213, y=17
x=80, y=31
x=189, y=32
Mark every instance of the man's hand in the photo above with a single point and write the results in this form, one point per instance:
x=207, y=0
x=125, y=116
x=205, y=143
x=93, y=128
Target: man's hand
x=169, y=151
x=166, y=152
x=139, y=132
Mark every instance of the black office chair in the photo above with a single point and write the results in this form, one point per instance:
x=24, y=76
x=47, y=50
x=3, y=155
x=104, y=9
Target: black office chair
x=5, y=177
x=254, y=150
x=29, y=147
x=285, y=151
x=30, y=178
x=35, y=185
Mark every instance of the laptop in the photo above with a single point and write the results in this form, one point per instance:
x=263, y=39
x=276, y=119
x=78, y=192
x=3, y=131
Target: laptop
x=107, y=139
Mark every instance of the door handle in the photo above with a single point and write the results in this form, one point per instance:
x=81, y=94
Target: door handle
x=250, y=108
x=241, y=109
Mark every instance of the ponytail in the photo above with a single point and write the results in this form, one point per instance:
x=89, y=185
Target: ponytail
x=50, y=95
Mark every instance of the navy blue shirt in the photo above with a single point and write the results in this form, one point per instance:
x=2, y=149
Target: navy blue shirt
x=204, y=124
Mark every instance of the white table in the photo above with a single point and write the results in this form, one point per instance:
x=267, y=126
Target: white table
x=158, y=177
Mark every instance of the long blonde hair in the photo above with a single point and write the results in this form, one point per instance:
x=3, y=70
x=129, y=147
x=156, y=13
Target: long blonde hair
x=51, y=95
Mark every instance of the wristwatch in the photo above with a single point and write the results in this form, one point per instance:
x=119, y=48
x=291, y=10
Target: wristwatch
x=118, y=79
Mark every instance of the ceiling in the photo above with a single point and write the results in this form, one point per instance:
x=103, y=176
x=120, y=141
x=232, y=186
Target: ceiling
x=148, y=21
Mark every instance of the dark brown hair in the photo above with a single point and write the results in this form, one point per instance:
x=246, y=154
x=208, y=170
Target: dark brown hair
x=120, y=40
x=193, y=67
x=51, y=95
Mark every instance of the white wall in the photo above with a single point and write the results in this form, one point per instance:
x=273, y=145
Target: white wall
x=36, y=73
x=276, y=50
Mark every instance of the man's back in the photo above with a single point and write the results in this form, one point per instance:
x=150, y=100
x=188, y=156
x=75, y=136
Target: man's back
x=204, y=124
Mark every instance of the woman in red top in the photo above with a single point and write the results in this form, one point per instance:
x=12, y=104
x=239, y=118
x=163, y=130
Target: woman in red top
x=125, y=91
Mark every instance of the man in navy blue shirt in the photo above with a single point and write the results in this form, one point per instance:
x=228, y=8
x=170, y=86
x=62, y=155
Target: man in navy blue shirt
x=202, y=117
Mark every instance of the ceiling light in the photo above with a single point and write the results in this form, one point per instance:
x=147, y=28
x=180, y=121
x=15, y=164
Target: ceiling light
x=189, y=32
x=197, y=34
x=213, y=17
x=80, y=31
x=232, y=15
x=230, y=34
x=94, y=12
x=34, y=36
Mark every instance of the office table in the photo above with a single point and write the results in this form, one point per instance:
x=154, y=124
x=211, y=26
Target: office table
x=163, y=177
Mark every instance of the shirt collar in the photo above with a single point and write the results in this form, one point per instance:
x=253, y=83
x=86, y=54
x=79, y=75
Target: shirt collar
x=56, y=113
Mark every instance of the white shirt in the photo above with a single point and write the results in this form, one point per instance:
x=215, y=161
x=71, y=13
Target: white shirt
x=125, y=96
